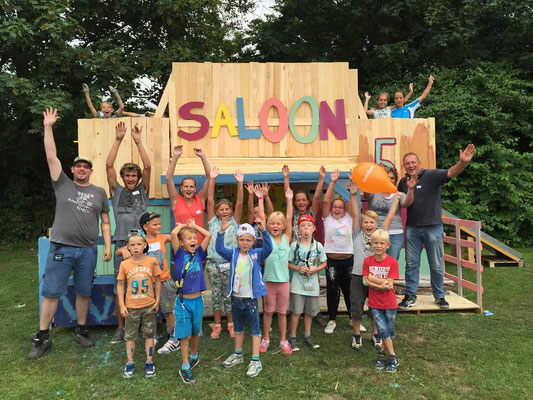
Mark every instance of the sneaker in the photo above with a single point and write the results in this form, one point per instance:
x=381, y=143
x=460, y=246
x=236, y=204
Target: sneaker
x=442, y=303
x=320, y=320
x=39, y=347
x=193, y=362
x=187, y=376
x=149, y=370
x=253, y=369
x=377, y=342
x=407, y=302
x=264, y=346
x=129, y=370
x=285, y=347
x=217, y=330
x=170, y=346
x=232, y=360
x=83, y=338
x=330, y=327
x=118, y=336
x=309, y=342
x=357, y=342
x=392, y=363
x=231, y=330
x=294, y=344
x=381, y=361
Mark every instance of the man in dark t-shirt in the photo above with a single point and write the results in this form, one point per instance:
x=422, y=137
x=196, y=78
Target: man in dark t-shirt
x=79, y=206
x=424, y=223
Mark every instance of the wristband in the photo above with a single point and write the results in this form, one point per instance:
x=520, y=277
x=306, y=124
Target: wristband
x=259, y=197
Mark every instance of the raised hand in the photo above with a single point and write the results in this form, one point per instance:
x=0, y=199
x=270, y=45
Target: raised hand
x=239, y=176
x=199, y=152
x=260, y=223
x=468, y=153
x=411, y=86
x=289, y=194
x=335, y=175
x=322, y=172
x=412, y=181
x=431, y=79
x=250, y=188
x=191, y=223
x=286, y=171
x=352, y=187
x=214, y=172
x=367, y=95
x=264, y=188
x=136, y=133
x=113, y=90
x=177, y=151
x=224, y=225
x=85, y=88
x=120, y=130
x=50, y=116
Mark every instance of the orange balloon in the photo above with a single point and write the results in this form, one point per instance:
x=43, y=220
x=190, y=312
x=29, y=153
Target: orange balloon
x=372, y=178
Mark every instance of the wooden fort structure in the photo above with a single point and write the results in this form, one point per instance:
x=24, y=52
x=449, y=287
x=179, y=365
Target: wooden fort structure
x=255, y=117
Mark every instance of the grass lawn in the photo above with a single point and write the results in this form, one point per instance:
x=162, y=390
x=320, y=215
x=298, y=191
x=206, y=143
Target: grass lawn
x=442, y=356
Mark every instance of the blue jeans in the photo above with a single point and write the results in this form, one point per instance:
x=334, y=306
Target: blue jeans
x=431, y=237
x=385, y=321
x=244, y=308
x=61, y=261
x=395, y=248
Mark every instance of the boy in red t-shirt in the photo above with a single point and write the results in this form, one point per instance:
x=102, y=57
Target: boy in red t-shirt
x=379, y=272
x=142, y=302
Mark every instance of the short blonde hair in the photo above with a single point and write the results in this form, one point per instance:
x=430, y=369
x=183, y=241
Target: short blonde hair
x=278, y=214
x=380, y=234
x=371, y=214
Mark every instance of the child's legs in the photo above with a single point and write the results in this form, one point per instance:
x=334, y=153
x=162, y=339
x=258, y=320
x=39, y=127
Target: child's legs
x=149, y=348
x=195, y=343
x=311, y=309
x=167, y=303
x=148, y=328
x=130, y=350
x=171, y=321
x=294, y=323
x=183, y=327
x=344, y=278
x=251, y=311
x=268, y=307
x=282, y=324
x=385, y=321
x=132, y=322
x=282, y=301
x=267, y=323
x=387, y=344
x=296, y=308
x=308, y=321
x=116, y=264
x=219, y=286
x=358, y=294
x=237, y=309
x=239, y=340
x=256, y=344
x=332, y=288
x=184, y=347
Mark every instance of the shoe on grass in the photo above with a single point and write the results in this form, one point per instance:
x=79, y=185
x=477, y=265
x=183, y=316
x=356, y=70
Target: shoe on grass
x=377, y=342
x=118, y=336
x=442, y=303
x=407, y=302
x=357, y=342
x=311, y=343
x=232, y=360
x=294, y=344
x=253, y=369
x=264, y=346
x=193, y=362
x=320, y=320
x=39, y=347
x=392, y=363
x=285, y=347
x=381, y=361
x=187, y=376
x=330, y=327
x=170, y=346
x=82, y=337
x=149, y=369
x=129, y=370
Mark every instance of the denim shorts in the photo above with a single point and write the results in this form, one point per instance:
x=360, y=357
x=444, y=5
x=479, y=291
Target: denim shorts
x=188, y=317
x=245, y=308
x=61, y=261
x=116, y=263
x=384, y=320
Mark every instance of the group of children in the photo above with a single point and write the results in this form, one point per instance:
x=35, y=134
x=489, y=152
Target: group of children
x=284, y=270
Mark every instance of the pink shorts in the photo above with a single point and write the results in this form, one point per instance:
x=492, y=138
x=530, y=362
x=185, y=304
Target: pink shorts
x=277, y=297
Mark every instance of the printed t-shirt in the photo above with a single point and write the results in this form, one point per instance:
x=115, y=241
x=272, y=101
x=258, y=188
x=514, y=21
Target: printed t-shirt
x=338, y=234
x=317, y=256
x=127, y=209
x=157, y=248
x=230, y=238
x=385, y=269
x=407, y=111
x=194, y=278
x=77, y=213
x=381, y=205
x=277, y=263
x=362, y=249
x=242, y=280
x=140, y=277
x=182, y=212
x=383, y=113
x=426, y=208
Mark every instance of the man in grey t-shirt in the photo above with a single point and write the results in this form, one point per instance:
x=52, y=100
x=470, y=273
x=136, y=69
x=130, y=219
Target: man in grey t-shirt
x=129, y=202
x=79, y=206
x=424, y=223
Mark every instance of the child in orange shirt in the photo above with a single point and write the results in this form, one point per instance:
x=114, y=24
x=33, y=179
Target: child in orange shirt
x=140, y=273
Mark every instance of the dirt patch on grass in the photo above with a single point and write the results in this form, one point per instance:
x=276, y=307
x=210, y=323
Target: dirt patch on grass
x=333, y=397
